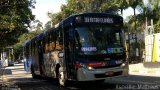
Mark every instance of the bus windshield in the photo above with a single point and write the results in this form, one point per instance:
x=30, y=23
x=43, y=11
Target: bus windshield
x=98, y=39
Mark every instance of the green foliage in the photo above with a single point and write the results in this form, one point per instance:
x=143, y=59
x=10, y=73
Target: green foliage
x=18, y=48
x=21, y=40
x=15, y=16
x=47, y=25
x=81, y=6
x=157, y=27
x=152, y=11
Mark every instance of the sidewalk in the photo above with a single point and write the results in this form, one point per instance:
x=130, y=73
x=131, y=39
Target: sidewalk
x=10, y=74
x=16, y=72
x=145, y=69
x=4, y=84
x=3, y=72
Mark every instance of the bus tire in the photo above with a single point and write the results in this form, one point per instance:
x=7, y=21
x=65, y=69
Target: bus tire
x=33, y=74
x=62, y=78
x=57, y=70
x=100, y=81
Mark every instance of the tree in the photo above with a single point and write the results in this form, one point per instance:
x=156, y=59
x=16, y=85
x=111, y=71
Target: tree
x=149, y=11
x=48, y=25
x=81, y=6
x=36, y=25
x=15, y=16
x=18, y=47
x=37, y=28
x=155, y=14
x=113, y=6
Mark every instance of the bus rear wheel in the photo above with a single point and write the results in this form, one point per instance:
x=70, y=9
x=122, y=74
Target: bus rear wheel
x=34, y=76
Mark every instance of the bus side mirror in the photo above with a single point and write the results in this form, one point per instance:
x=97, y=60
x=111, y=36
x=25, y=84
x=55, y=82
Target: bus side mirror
x=60, y=54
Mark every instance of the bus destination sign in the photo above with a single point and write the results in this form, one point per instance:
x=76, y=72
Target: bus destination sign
x=98, y=20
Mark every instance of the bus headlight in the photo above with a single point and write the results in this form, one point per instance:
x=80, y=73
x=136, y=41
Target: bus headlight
x=86, y=66
x=123, y=64
x=81, y=65
x=90, y=68
x=125, y=68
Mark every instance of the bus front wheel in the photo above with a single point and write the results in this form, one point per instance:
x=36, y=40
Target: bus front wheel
x=62, y=79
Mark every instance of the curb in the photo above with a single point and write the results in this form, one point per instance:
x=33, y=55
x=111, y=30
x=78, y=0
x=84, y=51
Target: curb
x=140, y=69
x=145, y=73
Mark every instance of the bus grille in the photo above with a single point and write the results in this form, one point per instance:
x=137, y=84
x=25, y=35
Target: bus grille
x=104, y=75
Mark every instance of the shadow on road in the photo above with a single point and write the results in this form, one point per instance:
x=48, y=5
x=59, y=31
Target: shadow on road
x=5, y=72
x=22, y=69
x=151, y=64
x=38, y=84
x=92, y=86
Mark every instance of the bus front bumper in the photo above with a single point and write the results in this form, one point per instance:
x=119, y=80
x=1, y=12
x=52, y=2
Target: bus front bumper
x=84, y=74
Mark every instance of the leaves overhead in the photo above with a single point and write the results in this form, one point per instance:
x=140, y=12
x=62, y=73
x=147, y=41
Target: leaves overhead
x=151, y=11
x=15, y=16
x=81, y=6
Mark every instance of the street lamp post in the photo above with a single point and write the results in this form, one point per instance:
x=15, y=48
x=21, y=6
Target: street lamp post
x=136, y=42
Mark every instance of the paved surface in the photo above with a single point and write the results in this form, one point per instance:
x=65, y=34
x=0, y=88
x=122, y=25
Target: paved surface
x=145, y=69
x=141, y=77
x=9, y=76
x=12, y=72
x=16, y=76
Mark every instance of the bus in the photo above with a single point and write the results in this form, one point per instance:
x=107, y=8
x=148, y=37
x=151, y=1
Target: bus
x=82, y=47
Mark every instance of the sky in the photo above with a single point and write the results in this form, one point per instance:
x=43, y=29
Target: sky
x=44, y=6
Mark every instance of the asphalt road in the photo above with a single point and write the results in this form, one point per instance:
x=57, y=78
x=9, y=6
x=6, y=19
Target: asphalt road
x=17, y=77
x=51, y=85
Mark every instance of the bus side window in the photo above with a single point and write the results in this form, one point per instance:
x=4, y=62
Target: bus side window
x=43, y=45
x=49, y=43
x=52, y=42
x=32, y=49
x=36, y=47
x=29, y=49
x=70, y=34
x=60, y=38
x=46, y=44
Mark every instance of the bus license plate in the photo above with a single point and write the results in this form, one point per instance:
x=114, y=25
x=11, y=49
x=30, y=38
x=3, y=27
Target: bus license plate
x=110, y=73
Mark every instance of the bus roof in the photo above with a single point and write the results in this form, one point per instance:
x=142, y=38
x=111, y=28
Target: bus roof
x=26, y=43
x=71, y=19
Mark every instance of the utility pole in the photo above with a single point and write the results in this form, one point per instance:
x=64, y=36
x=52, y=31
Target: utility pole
x=136, y=42
x=149, y=28
x=137, y=50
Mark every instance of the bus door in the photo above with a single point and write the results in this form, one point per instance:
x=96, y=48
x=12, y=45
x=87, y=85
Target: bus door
x=69, y=53
x=40, y=56
x=35, y=58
